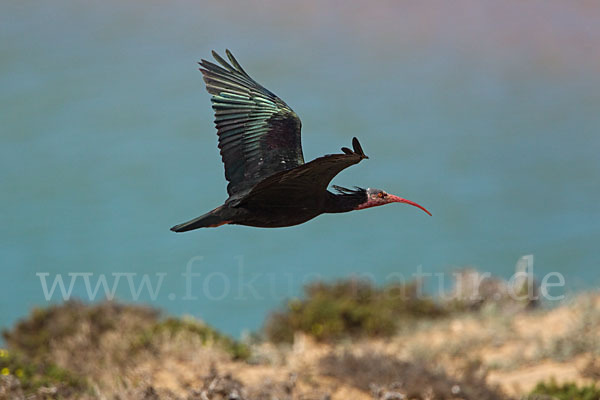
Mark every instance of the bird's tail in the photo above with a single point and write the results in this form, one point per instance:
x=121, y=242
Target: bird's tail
x=211, y=219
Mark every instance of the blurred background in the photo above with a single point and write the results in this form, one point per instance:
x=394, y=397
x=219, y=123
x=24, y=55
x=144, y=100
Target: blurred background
x=486, y=112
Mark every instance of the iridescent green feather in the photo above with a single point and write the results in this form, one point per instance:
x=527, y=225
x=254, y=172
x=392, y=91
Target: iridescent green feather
x=259, y=135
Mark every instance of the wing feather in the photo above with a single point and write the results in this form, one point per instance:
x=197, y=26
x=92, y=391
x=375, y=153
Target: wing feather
x=259, y=134
x=305, y=180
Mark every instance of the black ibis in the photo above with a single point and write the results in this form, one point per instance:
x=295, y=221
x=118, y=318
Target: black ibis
x=270, y=185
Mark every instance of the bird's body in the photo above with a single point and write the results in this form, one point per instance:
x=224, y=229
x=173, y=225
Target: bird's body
x=270, y=186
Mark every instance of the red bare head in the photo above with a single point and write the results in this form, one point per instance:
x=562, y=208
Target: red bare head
x=376, y=197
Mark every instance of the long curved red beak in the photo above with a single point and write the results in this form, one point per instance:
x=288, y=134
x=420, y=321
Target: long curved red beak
x=396, y=199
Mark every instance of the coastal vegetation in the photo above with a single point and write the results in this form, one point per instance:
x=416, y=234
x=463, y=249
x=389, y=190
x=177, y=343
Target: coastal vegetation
x=348, y=339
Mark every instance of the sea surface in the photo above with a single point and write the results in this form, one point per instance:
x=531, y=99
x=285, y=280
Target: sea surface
x=485, y=112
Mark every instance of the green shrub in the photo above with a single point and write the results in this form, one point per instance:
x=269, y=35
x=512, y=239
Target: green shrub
x=34, y=335
x=33, y=376
x=208, y=336
x=566, y=391
x=45, y=330
x=350, y=308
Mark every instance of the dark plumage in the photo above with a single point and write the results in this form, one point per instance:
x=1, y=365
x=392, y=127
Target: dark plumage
x=259, y=138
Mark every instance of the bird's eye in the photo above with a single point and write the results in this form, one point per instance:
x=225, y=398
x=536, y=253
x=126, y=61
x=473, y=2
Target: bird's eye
x=381, y=195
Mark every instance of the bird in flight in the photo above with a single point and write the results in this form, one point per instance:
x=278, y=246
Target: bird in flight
x=270, y=185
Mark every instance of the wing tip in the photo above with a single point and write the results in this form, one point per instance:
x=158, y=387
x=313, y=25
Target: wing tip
x=234, y=67
x=358, y=148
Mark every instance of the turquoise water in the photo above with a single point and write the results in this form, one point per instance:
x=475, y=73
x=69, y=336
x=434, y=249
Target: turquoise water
x=487, y=114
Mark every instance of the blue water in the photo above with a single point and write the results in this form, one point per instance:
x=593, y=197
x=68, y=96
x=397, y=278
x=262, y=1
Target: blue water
x=488, y=114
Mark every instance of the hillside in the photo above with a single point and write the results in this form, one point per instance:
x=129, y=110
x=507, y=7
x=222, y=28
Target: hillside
x=116, y=351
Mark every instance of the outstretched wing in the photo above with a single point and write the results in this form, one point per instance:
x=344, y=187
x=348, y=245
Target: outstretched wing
x=259, y=135
x=304, y=181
